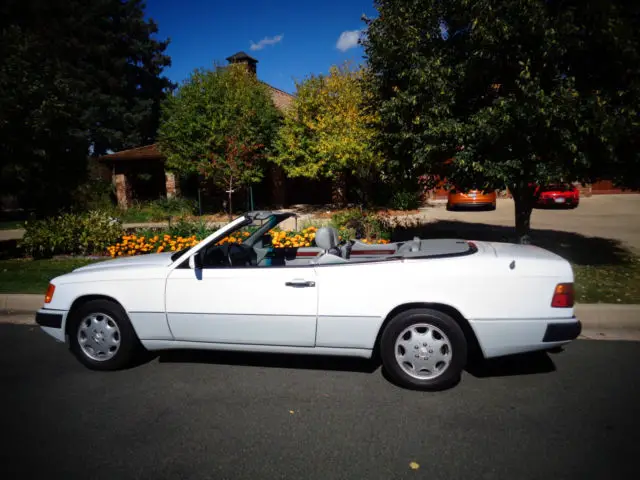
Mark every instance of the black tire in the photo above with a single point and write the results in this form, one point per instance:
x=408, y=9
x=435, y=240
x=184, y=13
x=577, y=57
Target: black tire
x=458, y=351
x=129, y=343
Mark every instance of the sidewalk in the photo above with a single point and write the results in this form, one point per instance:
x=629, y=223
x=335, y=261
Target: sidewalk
x=594, y=316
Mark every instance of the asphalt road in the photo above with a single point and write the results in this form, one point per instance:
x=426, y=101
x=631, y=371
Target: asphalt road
x=573, y=414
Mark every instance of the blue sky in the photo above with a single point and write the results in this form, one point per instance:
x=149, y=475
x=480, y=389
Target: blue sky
x=289, y=39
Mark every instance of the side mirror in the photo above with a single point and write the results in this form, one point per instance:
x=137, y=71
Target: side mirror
x=195, y=261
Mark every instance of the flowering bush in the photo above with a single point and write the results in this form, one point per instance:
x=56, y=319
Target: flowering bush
x=141, y=244
x=136, y=245
x=237, y=237
x=304, y=238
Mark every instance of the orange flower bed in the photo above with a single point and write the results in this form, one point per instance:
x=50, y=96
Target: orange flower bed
x=282, y=239
x=137, y=245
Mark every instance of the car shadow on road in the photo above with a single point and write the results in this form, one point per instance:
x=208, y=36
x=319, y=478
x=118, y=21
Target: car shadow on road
x=271, y=360
x=576, y=248
x=513, y=365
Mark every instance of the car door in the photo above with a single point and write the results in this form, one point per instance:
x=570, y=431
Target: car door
x=243, y=305
x=353, y=298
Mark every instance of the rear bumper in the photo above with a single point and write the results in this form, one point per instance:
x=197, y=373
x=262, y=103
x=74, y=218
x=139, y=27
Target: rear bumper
x=471, y=205
x=562, y=332
x=511, y=336
x=552, y=202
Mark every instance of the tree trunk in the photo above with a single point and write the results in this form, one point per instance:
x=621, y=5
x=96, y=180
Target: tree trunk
x=523, y=202
x=278, y=186
x=339, y=190
x=366, y=190
x=230, y=195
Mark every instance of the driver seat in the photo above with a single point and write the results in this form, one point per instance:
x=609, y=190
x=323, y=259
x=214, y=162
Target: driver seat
x=327, y=240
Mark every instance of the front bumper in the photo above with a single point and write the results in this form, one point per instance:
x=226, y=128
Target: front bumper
x=49, y=319
x=52, y=322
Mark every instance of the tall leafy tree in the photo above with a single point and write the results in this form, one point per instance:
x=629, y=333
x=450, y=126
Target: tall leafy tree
x=223, y=117
x=77, y=78
x=514, y=92
x=330, y=128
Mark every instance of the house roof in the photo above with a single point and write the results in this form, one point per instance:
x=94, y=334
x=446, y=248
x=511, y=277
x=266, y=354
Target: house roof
x=148, y=152
x=281, y=99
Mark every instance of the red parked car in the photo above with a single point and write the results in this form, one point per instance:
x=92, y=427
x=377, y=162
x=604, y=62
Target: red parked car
x=557, y=196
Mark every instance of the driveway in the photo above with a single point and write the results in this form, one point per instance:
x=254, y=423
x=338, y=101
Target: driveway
x=221, y=416
x=616, y=217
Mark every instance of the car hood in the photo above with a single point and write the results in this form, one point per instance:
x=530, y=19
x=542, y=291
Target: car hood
x=152, y=259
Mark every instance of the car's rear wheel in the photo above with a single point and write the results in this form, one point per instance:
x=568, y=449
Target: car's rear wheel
x=423, y=349
x=101, y=336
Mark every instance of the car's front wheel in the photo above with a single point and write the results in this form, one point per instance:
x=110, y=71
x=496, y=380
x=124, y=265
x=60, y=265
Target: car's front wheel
x=423, y=349
x=101, y=336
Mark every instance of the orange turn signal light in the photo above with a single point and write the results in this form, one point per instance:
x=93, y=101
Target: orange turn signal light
x=49, y=295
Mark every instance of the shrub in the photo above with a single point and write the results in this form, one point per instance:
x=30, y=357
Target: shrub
x=94, y=194
x=157, y=210
x=86, y=234
x=187, y=228
x=358, y=223
x=405, y=200
x=171, y=207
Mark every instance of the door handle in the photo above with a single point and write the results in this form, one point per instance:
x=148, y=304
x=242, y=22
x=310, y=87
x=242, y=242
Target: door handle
x=300, y=284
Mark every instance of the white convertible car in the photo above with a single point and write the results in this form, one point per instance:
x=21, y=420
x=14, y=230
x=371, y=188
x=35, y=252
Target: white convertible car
x=419, y=305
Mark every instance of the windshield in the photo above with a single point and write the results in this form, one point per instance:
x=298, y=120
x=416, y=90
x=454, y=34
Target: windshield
x=249, y=232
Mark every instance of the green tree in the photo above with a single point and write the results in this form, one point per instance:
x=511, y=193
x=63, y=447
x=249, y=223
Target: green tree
x=213, y=114
x=77, y=78
x=515, y=92
x=330, y=128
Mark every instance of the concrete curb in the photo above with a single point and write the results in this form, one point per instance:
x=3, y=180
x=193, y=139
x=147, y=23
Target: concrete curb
x=594, y=316
x=21, y=302
x=602, y=316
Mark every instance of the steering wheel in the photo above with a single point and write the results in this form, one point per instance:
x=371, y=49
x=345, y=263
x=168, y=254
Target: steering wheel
x=229, y=250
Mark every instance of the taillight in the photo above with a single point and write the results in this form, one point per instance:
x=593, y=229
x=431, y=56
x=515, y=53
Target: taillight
x=563, y=296
x=49, y=295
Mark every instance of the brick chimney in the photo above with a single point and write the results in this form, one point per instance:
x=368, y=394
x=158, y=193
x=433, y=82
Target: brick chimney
x=243, y=58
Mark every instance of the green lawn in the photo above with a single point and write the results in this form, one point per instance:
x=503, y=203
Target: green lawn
x=608, y=283
x=32, y=276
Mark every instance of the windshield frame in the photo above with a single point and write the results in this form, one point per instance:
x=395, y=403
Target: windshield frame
x=272, y=219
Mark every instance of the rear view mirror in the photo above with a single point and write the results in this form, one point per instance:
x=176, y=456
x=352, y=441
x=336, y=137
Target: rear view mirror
x=195, y=261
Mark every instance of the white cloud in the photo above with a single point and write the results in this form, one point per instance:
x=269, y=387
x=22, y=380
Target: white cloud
x=348, y=39
x=266, y=41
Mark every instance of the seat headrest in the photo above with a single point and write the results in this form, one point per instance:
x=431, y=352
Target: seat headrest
x=326, y=238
